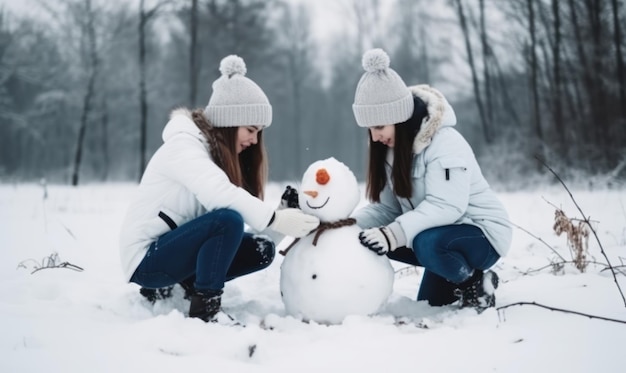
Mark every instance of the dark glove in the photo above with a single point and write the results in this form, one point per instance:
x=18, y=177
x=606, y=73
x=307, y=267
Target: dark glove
x=380, y=240
x=263, y=244
x=289, y=198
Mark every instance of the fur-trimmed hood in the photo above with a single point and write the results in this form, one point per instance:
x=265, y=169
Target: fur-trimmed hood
x=181, y=121
x=440, y=114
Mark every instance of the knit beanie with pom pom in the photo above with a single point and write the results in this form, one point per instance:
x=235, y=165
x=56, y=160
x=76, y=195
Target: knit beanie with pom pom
x=381, y=96
x=237, y=101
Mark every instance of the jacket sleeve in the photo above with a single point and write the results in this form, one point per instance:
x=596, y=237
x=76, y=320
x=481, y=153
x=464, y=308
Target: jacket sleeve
x=447, y=186
x=186, y=160
x=379, y=213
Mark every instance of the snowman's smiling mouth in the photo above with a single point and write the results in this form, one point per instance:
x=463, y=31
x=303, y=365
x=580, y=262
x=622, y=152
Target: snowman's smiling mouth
x=318, y=207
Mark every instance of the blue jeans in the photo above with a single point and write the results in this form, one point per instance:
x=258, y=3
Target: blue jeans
x=212, y=247
x=449, y=255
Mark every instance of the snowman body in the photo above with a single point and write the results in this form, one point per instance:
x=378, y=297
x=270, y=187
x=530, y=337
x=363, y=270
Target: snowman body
x=336, y=276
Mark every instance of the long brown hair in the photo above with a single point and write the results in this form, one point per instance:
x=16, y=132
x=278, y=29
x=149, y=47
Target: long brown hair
x=247, y=169
x=405, y=133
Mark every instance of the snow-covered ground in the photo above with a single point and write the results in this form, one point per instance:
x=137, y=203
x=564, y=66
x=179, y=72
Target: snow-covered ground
x=63, y=320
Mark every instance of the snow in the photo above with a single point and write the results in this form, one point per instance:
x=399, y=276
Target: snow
x=61, y=320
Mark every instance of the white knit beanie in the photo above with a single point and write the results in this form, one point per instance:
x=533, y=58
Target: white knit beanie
x=237, y=101
x=381, y=96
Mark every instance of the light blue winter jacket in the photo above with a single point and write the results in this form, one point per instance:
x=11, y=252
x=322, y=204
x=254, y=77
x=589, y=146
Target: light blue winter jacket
x=448, y=185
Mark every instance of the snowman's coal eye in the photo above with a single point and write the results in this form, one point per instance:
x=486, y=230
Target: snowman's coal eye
x=314, y=276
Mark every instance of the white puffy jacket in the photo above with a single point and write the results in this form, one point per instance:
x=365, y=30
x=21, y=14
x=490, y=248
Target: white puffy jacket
x=448, y=185
x=182, y=181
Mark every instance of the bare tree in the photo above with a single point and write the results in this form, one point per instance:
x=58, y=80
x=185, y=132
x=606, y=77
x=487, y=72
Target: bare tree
x=598, y=93
x=92, y=66
x=486, y=49
x=573, y=70
x=105, y=140
x=557, y=91
x=85, y=35
x=298, y=45
x=367, y=15
x=194, y=66
x=534, y=83
x=413, y=57
x=470, y=58
x=617, y=42
x=144, y=17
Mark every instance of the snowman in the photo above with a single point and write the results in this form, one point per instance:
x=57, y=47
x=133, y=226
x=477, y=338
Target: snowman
x=328, y=274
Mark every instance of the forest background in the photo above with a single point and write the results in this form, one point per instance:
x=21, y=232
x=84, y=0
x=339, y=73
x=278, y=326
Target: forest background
x=86, y=86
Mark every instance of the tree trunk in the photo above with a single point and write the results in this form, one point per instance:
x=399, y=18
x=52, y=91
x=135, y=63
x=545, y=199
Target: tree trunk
x=193, y=57
x=470, y=58
x=89, y=94
x=105, y=141
x=617, y=42
x=294, y=58
x=557, y=92
x=486, y=49
x=143, y=104
x=585, y=135
x=598, y=92
x=534, y=85
x=507, y=102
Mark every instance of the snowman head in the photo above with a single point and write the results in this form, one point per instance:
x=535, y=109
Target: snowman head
x=329, y=190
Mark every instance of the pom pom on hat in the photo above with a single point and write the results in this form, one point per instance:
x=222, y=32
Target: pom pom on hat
x=236, y=100
x=381, y=97
x=375, y=60
x=232, y=65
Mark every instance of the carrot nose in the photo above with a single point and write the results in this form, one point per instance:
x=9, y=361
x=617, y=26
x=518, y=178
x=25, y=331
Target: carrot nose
x=311, y=193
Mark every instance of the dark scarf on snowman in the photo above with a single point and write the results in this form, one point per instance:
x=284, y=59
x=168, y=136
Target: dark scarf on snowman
x=321, y=229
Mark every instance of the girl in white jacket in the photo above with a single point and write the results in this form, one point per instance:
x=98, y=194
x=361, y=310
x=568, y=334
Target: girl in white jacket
x=431, y=205
x=199, y=190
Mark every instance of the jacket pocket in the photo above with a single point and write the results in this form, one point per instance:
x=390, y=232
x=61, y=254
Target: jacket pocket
x=170, y=218
x=452, y=164
x=170, y=223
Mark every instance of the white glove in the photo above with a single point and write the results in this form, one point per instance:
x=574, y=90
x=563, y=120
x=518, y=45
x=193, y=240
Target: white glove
x=380, y=240
x=293, y=222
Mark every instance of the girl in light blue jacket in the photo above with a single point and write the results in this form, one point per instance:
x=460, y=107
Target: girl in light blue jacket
x=430, y=204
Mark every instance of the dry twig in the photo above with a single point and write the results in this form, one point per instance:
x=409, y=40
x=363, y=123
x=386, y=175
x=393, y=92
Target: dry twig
x=577, y=237
x=586, y=219
x=51, y=261
x=501, y=312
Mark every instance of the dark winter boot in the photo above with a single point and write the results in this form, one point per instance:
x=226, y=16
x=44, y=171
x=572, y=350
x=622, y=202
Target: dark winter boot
x=152, y=295
x=207, y=307
x=479, y=291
